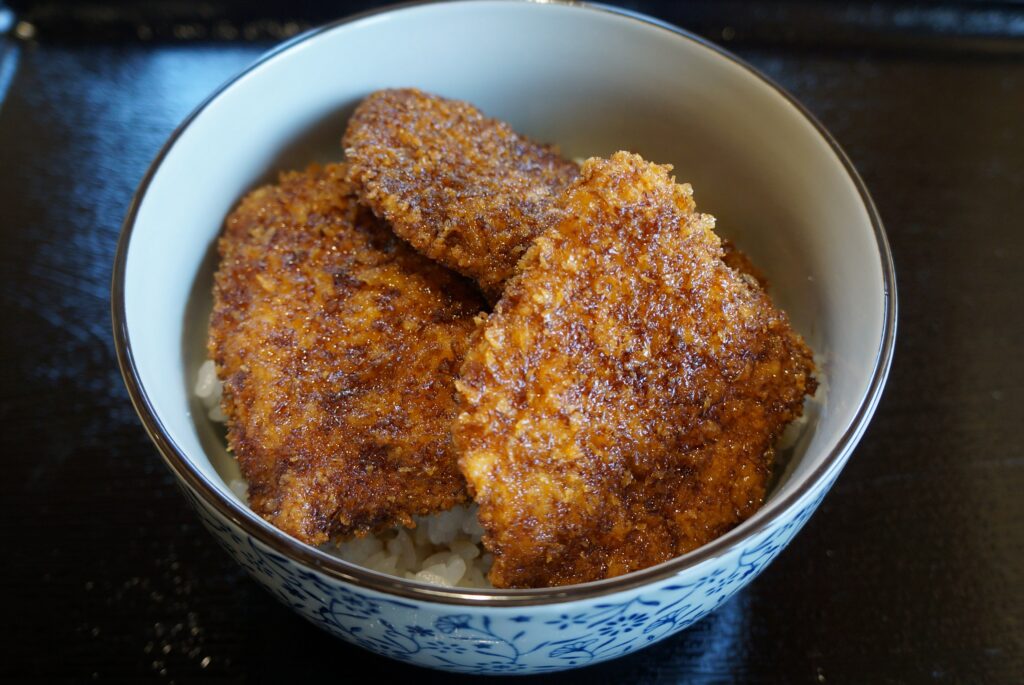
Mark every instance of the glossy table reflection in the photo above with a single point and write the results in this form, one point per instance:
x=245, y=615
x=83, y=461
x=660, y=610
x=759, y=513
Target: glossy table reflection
x=911, y=571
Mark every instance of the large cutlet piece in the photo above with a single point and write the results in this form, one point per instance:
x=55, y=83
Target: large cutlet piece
x=463, y=189
x=338, y=345
x=621, y=402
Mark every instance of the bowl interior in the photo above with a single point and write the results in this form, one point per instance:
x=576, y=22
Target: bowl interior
x=587, y=79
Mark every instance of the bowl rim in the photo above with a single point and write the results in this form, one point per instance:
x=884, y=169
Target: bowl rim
x=336, y=568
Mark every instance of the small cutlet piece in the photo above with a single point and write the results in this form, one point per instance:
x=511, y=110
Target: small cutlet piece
x=621, y=403
x=463, y=189
x=738, y=260
x=338, y=345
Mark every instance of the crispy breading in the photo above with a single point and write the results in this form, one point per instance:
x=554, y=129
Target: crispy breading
x=338, y=345
x=463, y=189
x=621, y=403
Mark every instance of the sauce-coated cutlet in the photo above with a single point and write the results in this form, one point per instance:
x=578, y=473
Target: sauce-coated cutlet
x=338, y=345
x=621, y=403
x=463, y=189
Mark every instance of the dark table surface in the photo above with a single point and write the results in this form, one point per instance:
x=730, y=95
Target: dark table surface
x=911, y=571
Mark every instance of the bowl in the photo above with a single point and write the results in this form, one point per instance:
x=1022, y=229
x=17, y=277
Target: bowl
x=593, y=79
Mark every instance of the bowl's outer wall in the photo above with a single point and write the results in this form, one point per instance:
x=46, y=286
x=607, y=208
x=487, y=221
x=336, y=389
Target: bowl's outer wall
x=773, y=180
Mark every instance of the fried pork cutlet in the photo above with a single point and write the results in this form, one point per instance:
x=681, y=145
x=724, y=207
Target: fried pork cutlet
x=338, y=345
x=463, y=189
x=621, y=402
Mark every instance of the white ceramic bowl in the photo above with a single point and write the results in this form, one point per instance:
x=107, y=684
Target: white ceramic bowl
x=594, y=80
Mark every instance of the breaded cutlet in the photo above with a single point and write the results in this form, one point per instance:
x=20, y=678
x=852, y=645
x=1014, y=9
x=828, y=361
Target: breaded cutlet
x=463, y=189
x=338, y=345
x=621, y=403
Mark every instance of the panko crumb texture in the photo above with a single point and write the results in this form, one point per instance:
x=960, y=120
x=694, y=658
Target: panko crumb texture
x=337, y=345
x=463, y=189
x=620, y=405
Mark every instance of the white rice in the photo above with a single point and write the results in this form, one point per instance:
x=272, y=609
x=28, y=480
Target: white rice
x=444, y=548
x=208, y=389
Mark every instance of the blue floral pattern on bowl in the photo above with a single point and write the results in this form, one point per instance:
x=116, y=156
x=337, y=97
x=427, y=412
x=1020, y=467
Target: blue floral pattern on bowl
x=494, y=640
